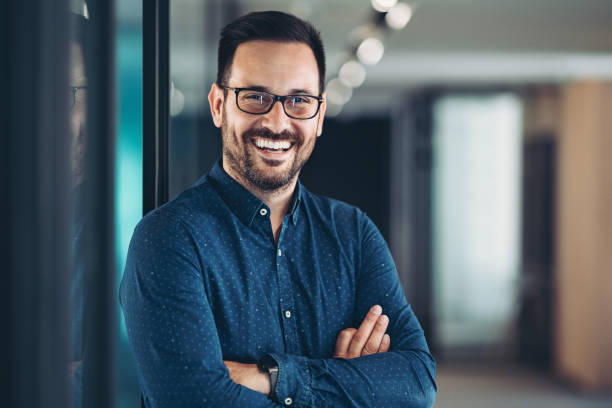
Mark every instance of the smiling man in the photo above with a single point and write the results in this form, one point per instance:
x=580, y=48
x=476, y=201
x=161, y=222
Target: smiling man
x=247, y=290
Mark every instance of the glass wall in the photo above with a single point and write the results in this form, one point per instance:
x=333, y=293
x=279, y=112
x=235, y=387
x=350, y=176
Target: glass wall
x=92, y=269
x=194, y=141
x=80, y=214
x=128, y=200
x=477, y=142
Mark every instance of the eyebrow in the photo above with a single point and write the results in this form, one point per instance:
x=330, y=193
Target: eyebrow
x=293, y=91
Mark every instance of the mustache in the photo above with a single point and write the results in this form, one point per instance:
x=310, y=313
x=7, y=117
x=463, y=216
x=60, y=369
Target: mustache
x=268, y=134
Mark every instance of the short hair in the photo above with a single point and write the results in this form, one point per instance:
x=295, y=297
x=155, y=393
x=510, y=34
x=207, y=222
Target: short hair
x=268, y=26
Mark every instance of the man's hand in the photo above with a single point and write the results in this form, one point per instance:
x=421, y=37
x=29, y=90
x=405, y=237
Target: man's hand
x=369, y=339
x=249, y=376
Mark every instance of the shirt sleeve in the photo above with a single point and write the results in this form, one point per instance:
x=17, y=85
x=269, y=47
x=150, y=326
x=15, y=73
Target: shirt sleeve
x=170, y=324
x=402, y=377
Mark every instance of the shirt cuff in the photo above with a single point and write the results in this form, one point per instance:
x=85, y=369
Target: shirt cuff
x=293, y=385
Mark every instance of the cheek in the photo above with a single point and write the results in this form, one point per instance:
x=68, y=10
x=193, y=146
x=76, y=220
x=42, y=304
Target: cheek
x=310, y=135
x=75, y=125
x=234, y=123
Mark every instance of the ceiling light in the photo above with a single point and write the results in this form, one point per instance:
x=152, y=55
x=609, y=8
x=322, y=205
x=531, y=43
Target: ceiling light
x=352, y=73
x=399, y=16
x=370, y=51
x=338, y=92
x=383, y=5
x=332, y=110
x=177, y=100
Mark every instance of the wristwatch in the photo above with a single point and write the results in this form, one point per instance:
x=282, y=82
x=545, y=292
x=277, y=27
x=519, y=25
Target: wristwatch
x=267, y=364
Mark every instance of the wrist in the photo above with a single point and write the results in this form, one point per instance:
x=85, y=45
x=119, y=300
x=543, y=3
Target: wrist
x=256, y=380
x=268, y=367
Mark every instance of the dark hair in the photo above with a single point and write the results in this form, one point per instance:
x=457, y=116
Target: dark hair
x=268, y=26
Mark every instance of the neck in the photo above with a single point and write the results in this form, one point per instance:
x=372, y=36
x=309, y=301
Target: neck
x=277, y=200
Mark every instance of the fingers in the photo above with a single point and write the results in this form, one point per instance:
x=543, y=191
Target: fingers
x=343, y=342
x=370, y=338
x=363, y=333
x=374, y=343
x=385, y=344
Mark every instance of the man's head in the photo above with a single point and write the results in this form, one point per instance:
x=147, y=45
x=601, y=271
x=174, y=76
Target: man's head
x=281, y=55
x=268, y=26
x=77, y=98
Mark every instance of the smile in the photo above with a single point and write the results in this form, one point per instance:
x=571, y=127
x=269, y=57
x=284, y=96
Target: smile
x=272, y=145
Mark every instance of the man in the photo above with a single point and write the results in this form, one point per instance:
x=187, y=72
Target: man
x=80, y=211
x=247, y=290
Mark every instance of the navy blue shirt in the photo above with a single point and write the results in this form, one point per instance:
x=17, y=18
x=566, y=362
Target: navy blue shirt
x=205, y=282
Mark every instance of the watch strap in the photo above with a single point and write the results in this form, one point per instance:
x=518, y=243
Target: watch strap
x=267, y=364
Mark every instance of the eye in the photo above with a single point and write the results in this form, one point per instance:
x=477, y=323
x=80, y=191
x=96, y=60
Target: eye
x=254, y=97
x=300, y=99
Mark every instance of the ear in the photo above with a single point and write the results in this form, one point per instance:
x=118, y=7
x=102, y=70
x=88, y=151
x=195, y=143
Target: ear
x=215, y=100
x=321, y=115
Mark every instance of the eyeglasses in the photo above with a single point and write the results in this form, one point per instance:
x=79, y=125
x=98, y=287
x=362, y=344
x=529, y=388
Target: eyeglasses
x=260, y=102
x=72, y=96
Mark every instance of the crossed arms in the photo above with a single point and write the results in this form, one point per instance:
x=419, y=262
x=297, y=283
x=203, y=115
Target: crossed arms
x=179, y=357
x=369, y=339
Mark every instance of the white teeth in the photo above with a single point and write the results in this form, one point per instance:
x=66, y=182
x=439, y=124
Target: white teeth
x=268, y=144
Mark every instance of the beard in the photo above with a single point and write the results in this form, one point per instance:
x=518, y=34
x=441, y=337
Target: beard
x=242, y=159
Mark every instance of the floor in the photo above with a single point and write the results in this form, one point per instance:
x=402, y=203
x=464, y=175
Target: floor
x=480, y=386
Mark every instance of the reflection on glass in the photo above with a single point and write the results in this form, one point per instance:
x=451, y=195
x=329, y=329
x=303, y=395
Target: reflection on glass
x=194, y=141
x=77, y=100
x=128, y=180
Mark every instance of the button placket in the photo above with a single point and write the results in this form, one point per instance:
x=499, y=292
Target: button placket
x=286, y=300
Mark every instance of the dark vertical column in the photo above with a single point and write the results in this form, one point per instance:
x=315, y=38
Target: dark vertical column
x=535, y=319
x=410, y=203
x=156, y=102
x=5, y=252
x=155, y=105
x=35, y=203
x=99, y=323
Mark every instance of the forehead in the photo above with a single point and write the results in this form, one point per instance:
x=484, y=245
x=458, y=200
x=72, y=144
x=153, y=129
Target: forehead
x=278, y=66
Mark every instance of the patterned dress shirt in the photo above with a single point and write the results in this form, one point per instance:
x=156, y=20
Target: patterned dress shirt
x=205, y=282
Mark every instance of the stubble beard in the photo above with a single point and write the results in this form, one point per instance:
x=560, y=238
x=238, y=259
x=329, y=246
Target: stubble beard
x=243, y=164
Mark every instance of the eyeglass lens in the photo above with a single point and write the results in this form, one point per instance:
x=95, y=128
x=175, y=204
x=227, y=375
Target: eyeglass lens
x=72, y=95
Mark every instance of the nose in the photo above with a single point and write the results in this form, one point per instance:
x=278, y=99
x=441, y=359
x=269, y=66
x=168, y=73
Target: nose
x=276, y=120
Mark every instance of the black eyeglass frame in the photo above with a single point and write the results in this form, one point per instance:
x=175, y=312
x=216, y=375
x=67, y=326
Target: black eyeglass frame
x=275, y=98
x=74, y=90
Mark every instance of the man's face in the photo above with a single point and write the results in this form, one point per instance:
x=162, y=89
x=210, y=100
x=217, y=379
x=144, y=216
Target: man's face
x=78, y=113
x=281, y=69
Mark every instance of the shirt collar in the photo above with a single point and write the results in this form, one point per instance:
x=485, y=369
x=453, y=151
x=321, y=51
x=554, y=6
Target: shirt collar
x=241, y=201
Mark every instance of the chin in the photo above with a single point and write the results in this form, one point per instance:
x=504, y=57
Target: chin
x=269, y=180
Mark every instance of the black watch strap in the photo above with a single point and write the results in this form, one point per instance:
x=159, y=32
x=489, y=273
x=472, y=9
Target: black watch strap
x=267, y=364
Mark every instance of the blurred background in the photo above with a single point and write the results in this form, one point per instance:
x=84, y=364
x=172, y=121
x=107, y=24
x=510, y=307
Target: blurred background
x=475, y=134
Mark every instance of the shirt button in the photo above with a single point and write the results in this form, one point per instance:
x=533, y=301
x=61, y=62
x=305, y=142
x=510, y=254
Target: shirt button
x=288, y=401
x=280, y=253
x=263, y=211
x=287, y=314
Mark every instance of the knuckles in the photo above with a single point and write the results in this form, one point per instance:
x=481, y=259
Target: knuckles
x=349, y=332
x=359, y=338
